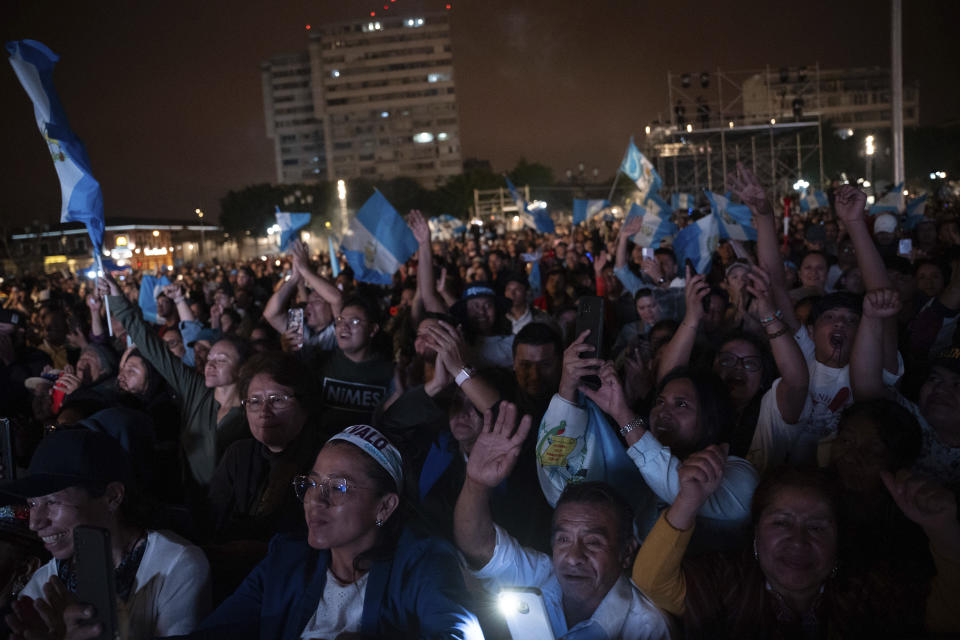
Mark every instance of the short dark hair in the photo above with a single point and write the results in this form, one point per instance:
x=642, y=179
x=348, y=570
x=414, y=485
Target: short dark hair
x=604, y=495
x=240, y=345
x=821, y=481
x=285, y=369
x=536, y=334
x=665, y=251
x=815, y=252
x=370, y=308
x=642, y=292
x=836, y=300
x=898, y=429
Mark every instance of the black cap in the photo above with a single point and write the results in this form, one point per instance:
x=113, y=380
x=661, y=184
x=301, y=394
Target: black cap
x=70, y=458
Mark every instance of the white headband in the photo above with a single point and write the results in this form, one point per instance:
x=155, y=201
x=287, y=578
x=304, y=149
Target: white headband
x=375, y=445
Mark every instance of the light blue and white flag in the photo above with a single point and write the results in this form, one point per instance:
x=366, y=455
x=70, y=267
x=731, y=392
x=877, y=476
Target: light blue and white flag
x=334, y=260
x=289, y=224
x=697, y=242
x=915, y=210
x=583, y=210
x=82, y=200
x=657, y=206
x=733, y=220
x=534, y=278
x=537, y=219
x=684, y=201
x=813, y=199
x=445, y=227
x=655, y=228
x=377, y=242
x=640, y=170
x=890, y=203
x=150, y=288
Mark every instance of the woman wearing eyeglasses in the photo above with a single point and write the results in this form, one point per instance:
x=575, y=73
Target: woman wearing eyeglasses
x=250, y=498
x=767, y=411
x=357, y=570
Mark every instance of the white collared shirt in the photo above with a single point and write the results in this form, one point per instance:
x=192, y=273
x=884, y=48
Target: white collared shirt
x=623, y=613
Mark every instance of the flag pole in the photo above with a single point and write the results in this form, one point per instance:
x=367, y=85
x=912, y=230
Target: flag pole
x=614, y=185
x=106, y=299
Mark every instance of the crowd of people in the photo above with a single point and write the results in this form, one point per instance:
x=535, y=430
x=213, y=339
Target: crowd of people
x=770, y=449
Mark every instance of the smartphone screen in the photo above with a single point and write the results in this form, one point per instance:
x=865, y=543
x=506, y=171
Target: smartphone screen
x=590, y=316
x=95, y=585
x=526, y=613
x=295, y=323
x=647, y=253
x=906, y=247
x=9, y=471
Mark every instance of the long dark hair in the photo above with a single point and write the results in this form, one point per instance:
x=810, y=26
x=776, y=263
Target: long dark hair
x=715, y=416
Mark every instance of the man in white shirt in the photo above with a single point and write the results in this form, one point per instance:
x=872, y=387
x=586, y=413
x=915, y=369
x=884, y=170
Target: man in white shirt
x=583, y=583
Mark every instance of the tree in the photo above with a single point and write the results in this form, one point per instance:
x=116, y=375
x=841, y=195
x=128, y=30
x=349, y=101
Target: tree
x=253, y=208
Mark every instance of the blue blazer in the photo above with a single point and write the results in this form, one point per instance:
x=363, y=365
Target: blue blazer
x=418, y=593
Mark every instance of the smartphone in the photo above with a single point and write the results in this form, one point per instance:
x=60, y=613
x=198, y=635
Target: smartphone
x=95, y=586
x=590, y=316
x=295, y=322
x=648, y=253
x=906, y=247
x=693, y=271
x=526, y=613
x=7, y=458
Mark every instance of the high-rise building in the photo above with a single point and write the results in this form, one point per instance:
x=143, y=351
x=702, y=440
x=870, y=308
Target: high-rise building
x=288, y=109
x=384, y=89
x=372, y=98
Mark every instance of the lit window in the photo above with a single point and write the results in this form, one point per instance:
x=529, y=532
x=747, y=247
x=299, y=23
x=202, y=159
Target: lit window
x=442, y=135
x=423, y=137
x=384, y=114
x=335, y=73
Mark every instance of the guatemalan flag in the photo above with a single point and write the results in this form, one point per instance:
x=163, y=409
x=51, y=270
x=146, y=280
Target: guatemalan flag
x=537, y=219
x=697, y=242
x=734, y=220
x=445, y=227
x=640, y=170
x=655, y=228
x=289, y=224
x=813, y=200
x=583, y=210
x=889, y=203
x=150, y=288
x=683, y=201
x=377, y=242
x=915, y=210
x=657, y=206
x=33, y=63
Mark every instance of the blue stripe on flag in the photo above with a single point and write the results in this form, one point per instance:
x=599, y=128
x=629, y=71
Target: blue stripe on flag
x=697, y=242
x=378, y=241
x=289, y=224
x=583, y=210
x=735, y=221
x=889, y=203
x=82, y=200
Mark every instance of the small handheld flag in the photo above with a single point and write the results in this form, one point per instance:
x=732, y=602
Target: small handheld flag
x=636, y=166
x=890, y=203
x=813, y=200
x=289, y=224
x=583, y=210
x=734, y=220
x=377, y=242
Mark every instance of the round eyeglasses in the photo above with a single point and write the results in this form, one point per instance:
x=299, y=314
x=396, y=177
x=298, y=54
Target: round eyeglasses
x=332, y=490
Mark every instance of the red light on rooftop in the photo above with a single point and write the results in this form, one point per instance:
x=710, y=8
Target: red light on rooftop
x=386, y=7
x=373, y=14
x=449, y=6
x=308, y=27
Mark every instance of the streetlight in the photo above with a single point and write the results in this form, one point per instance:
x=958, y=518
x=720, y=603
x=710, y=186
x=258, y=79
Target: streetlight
x=200, y=216
x=869, y=150
x=342, y=196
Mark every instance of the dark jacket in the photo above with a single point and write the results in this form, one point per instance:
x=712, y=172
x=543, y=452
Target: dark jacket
x=418, y=593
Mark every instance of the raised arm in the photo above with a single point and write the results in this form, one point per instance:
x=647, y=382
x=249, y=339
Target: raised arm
x=491, y=460
x=795, y=379
x=275, y=311
x=866, y=359
x=176, y=293
x=746, y=186
x=95, y=304
x=448, y=343
x=657, y=568
x=850, y=203
x=426, y=282
x=326, y=289
x=676, y=353
x=621, y=269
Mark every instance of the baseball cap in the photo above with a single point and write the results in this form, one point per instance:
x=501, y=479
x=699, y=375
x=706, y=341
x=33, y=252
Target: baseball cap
x=885, y=223
x=72, y=457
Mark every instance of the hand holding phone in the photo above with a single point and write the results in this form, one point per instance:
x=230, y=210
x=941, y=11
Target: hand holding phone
x=95, y=583
x=526, y=613
x=295, y=325
x=590, y=316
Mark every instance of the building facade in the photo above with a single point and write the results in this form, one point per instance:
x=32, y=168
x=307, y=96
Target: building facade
x=289, y=113
x=372, y=99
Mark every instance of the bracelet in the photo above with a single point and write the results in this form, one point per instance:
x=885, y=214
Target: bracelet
x=777, y=315
x=636, y=423
x=785, y=330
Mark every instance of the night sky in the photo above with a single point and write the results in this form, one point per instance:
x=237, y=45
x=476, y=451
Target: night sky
x=167, y=95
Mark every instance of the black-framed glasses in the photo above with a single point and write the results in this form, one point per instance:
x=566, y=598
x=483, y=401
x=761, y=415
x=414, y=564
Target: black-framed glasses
x=277, y=401
x=729, y=360
x=332, y=490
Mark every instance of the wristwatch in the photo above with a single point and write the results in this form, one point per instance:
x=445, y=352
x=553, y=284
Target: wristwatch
x=463, y=376
x=636, y=423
